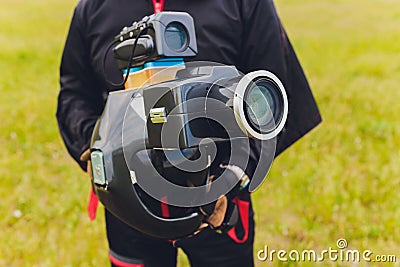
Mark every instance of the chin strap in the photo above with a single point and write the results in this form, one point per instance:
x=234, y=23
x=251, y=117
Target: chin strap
x=158, y=5
x=244, y=208
x=92, y=205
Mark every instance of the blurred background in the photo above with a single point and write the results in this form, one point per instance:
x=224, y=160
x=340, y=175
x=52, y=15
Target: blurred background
x=340, y=181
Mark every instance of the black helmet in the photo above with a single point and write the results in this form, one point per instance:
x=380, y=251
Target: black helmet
x=164, y=143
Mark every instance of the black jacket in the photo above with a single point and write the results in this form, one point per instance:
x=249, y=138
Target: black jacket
x=244, y=33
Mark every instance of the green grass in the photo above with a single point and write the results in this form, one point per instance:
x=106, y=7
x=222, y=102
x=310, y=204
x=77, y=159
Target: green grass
x=340, y=181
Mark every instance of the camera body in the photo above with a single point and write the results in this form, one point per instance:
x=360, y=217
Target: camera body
x=215, y=102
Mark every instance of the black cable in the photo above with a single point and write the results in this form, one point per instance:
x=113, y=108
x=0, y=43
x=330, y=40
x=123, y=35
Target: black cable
x=130, y=59
x=104, y=63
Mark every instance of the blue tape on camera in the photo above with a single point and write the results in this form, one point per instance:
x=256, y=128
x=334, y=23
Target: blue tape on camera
x=132, y=70
x=165, y=62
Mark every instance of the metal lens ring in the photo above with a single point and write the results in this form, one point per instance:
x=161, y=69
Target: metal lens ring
x=261, y=105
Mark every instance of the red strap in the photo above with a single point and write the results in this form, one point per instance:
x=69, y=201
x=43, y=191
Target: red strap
x=92, y=205
x=119, y=263
x=243, y=207
x=158, y=5
x=164, y=207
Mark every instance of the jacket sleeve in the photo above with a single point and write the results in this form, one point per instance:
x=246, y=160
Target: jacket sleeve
x=266, y=46
x=80, y=100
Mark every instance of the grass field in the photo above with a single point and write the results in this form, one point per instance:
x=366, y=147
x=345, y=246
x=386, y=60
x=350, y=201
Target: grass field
x=341, y=181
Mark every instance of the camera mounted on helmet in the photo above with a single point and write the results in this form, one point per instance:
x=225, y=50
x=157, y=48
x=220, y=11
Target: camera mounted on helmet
x=184, y=134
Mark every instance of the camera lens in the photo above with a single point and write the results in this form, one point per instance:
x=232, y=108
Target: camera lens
x=176, y=36
x=263, y=105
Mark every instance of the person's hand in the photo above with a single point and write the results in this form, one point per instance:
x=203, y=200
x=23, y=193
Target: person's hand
x=85, y=157
x=216, y=213
x=215, y=218
x=93, y=201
